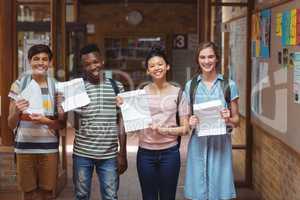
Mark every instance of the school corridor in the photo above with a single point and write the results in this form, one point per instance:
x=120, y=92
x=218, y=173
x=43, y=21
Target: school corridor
x=259, y=48
x=129, y=184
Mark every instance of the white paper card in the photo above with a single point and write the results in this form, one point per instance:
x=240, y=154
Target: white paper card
x=33, y=94
x=211, y=122
x=135, y=110
x=74, y=93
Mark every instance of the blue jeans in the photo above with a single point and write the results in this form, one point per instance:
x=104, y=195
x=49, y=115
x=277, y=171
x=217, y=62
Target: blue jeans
x=158, y=172
x=107, y=172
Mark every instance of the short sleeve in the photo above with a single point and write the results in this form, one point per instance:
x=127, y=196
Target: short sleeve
x=184, y=107
x=234, y=92
x=14, y=90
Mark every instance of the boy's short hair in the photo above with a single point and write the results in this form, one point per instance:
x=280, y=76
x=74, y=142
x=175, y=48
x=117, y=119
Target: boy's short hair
x=39, y=48
x=89, y=49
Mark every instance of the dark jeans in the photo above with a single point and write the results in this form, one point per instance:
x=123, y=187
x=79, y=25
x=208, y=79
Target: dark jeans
x=158, y=172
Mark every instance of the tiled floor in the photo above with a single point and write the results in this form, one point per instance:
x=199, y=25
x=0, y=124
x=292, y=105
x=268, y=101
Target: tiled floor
x=129, y=185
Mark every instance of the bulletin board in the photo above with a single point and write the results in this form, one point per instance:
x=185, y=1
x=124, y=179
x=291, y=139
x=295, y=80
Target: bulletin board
x=238, y=58
x=275, y=104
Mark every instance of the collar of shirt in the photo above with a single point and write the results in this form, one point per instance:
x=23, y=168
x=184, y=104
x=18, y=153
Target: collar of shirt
x=219, y=77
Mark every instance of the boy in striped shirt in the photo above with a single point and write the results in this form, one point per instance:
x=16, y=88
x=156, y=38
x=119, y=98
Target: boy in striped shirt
x=98, y=133
x=36, y=141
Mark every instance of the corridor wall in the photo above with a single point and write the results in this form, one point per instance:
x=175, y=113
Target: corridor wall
x=274, y=107
x=276, y=133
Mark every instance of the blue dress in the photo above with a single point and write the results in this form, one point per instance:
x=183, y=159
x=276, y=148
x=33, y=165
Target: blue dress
x=209, y=172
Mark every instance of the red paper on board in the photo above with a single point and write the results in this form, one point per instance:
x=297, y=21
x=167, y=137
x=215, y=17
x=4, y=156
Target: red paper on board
x=298, y=27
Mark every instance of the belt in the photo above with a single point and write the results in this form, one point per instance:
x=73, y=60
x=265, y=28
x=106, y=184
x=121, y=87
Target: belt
x=26, y=117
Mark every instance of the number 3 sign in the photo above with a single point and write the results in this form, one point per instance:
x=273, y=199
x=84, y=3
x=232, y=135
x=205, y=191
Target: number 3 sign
x=180, y=41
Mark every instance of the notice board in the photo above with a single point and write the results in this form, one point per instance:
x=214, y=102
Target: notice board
x=275, y=104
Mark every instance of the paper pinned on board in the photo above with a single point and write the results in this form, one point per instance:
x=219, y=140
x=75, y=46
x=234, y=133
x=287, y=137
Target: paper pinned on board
x=33, y=94
x=298, y=26
x=286, y=23
x=74, y=93
x=211, y=122
x=293, y=27
x=135, y=110
x=279, y=24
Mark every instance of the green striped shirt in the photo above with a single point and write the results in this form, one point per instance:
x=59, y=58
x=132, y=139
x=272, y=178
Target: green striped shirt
x=97, y=135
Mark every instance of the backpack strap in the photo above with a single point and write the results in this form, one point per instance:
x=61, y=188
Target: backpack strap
x=24, y=81
x=179, y=97
x=115, y=86
x=227, y=96
x=226, y=91
x=192, y=92
x=52, y=90
x=117, y=91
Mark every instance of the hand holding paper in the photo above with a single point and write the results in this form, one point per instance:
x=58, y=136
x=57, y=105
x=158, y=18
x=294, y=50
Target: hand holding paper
x=193, y=121
x=135, y=110
x=22, y=105
x=225, y=114
x=33, y=94
x=119, y=101
x=74, y=94
x=211, y=121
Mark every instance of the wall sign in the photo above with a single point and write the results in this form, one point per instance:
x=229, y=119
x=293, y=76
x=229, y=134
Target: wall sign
x=180, y=41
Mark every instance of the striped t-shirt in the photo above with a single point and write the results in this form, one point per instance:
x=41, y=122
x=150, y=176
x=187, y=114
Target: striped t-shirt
x=97, y=135
x=35, y=138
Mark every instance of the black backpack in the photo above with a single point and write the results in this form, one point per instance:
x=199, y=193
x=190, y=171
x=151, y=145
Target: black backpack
x=177, y=114
x=114, y=86
x=117, y=91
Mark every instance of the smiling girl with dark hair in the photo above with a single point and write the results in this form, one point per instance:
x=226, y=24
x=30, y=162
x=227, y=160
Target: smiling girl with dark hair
x=158, y=158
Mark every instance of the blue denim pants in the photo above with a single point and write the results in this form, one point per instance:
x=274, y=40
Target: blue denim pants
x=107, y=172
x=158, y=172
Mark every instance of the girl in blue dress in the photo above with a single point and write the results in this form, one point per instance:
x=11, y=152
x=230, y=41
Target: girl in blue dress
x=209, y=173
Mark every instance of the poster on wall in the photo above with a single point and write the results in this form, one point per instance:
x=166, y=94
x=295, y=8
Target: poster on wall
x=255, y=36
x=279, y=24
x=265, y=27
x=298, y=26
x=288, y=27
x=293, y=27
x=296, y=77
x=286, y=23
